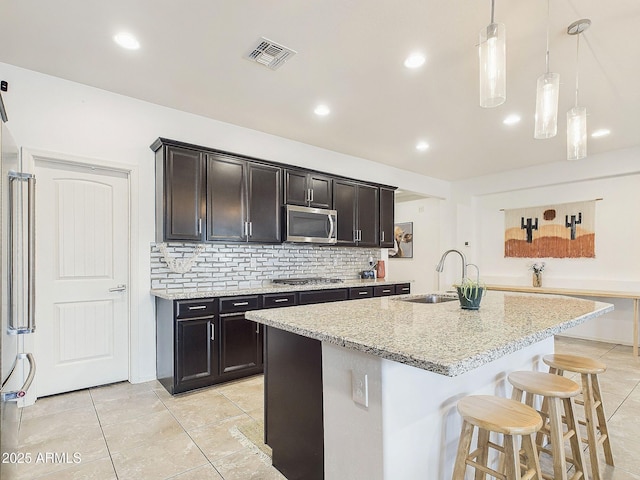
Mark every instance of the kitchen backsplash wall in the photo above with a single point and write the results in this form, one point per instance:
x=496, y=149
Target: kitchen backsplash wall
x=244, y=265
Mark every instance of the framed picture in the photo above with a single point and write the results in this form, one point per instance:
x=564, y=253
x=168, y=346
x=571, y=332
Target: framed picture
x=403, y=241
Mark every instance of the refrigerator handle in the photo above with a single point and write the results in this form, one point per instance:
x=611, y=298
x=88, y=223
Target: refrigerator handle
x=31, y=247
x=15, y=327
x=15, y=395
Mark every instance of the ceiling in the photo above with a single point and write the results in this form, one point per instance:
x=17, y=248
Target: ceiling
x=350, y=55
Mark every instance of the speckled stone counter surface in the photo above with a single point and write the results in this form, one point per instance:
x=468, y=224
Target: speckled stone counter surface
x=441, y=337
x=190, y=293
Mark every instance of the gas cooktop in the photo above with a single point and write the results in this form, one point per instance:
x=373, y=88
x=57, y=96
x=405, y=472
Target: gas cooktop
x=306, y=281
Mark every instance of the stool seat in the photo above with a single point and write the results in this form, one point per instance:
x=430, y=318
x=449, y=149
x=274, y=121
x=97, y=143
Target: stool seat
x=557, y=394
x=494, y=415
x=540, y=383
x=500, y=415
x=596, y=420
x=574, y=363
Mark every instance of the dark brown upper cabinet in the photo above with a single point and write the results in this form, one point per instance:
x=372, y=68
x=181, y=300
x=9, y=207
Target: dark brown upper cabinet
x=180, y=194
x=206, y=195
x=307, y=189
x=358, y=213
x=243, y=200
x=387, y=208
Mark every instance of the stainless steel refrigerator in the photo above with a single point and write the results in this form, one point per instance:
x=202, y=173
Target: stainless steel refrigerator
x=17, y=282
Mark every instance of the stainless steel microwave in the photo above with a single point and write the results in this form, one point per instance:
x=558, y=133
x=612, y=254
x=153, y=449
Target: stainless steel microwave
x=310, y=225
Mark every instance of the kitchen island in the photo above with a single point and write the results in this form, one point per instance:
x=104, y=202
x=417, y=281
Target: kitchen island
x=367, y=388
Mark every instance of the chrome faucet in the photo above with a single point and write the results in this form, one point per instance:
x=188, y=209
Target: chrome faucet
x=440, y=266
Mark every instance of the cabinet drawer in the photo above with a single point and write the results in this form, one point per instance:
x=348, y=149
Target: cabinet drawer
x=360, y=292
x=383, y=290
x=321, y=296
x=403, y=288
x=272, y=300
x=239, y=304
x=195, y=308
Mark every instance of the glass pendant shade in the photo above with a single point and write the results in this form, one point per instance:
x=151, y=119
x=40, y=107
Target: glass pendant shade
x=492, y=51
x=577, y=133
x=547, y=105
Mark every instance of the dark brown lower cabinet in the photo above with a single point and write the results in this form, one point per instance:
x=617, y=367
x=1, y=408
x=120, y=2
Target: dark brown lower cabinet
x=197, y=347
x=206, y=341
x=293, y=404
x=196, y=362
x=240, y=346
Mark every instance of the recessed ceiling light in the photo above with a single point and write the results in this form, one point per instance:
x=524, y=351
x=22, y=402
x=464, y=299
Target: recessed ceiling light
x=422, y=146
x=126, y=40
x=322, y=110
x=603, y=132
x=414, y=60
x=512, y=119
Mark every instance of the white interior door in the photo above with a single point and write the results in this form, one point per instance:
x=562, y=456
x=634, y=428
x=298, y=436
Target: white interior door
x=82, y=258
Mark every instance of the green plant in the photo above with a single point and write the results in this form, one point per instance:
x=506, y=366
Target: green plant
x=470, y=293
x=470, y=289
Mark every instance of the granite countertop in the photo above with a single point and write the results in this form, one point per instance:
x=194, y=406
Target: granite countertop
x=191, y=293
x=441, y=338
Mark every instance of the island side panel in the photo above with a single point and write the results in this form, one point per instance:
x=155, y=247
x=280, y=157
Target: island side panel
x=293, y=404
x=411, y=427
x=353, y=431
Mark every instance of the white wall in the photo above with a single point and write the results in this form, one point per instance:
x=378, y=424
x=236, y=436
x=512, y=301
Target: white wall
x=426, y=217
x=615, y=178
x=55, y=115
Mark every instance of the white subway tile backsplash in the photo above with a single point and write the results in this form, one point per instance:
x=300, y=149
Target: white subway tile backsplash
x=230, y=265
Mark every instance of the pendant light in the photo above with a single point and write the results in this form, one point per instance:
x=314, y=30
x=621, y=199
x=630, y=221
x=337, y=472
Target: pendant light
x=492, y=52
x=546, y=120
x=577, y=116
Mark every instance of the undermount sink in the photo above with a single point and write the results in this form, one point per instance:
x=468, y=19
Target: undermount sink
x=432, y=298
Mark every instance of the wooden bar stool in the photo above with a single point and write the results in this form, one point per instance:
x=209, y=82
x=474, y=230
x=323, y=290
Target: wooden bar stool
x=501, y=415
x=596, y=421
x=557, y=409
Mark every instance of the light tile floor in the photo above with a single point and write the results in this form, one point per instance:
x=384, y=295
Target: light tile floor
x=126, y=431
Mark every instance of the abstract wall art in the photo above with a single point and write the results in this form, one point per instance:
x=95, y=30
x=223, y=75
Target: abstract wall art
x=555, y=231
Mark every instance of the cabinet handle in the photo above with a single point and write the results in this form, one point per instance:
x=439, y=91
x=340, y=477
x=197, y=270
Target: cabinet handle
x=362, y=293
x=311, y=195
x=382, y=236
x=250, y=229
x=199, y=307
x=240, y=304
x=199, y=226
x=213, y=331
x=278, y=300
x=386, y=291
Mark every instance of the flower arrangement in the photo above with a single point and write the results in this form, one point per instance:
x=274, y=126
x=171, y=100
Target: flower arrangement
x=537, y=267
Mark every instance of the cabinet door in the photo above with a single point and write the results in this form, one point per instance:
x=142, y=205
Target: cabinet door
x=386, y=217
x=295, y=188
x=344, y=202
x=320, y=187
x=239, y=345
x=184, y=194
x=368, y=216
x=226, y=199
x=265, y=209
x=196, y=362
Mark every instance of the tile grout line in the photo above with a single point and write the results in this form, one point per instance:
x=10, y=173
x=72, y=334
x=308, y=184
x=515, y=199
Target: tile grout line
x=188, y=435
x=113, y=465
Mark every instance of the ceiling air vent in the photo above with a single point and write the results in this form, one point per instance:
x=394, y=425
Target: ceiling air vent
x=270, y=54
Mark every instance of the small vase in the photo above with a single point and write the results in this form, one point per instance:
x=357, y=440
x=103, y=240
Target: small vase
x=380, y=270
x=537, y=279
